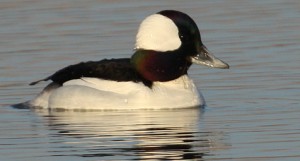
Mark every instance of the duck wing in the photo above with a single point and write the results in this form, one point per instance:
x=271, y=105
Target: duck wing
x=108, y=69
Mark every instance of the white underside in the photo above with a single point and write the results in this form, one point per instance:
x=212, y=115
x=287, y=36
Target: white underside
x=98, y=94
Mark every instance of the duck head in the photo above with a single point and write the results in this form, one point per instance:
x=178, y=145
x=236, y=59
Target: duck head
x=167, y=43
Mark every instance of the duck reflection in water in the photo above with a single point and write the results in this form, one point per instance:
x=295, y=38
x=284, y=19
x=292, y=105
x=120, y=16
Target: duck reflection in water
x=141, y=135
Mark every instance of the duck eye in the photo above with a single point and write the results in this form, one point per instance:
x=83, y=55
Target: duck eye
x=184, y=36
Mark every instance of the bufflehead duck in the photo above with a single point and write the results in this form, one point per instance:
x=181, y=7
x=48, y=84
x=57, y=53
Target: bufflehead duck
x=155, y=77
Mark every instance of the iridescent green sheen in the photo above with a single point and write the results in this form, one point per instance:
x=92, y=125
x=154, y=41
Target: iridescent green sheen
x=160, y=66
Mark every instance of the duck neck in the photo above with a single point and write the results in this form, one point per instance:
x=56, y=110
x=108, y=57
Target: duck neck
x=160, y=66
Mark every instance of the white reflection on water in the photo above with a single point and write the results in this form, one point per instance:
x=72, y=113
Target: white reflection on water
x=166, y=134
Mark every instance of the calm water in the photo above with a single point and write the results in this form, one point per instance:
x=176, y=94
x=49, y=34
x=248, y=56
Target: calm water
x=252, y=113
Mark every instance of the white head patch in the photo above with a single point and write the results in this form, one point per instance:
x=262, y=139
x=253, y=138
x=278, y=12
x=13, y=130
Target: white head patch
x=158, y=33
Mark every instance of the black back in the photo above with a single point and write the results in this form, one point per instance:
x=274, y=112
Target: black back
x=114, y=69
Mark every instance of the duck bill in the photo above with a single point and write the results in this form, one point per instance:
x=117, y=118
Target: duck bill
x=204, y=57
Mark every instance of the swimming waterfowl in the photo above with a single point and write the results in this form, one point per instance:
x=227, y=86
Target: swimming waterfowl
x=155, y=77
